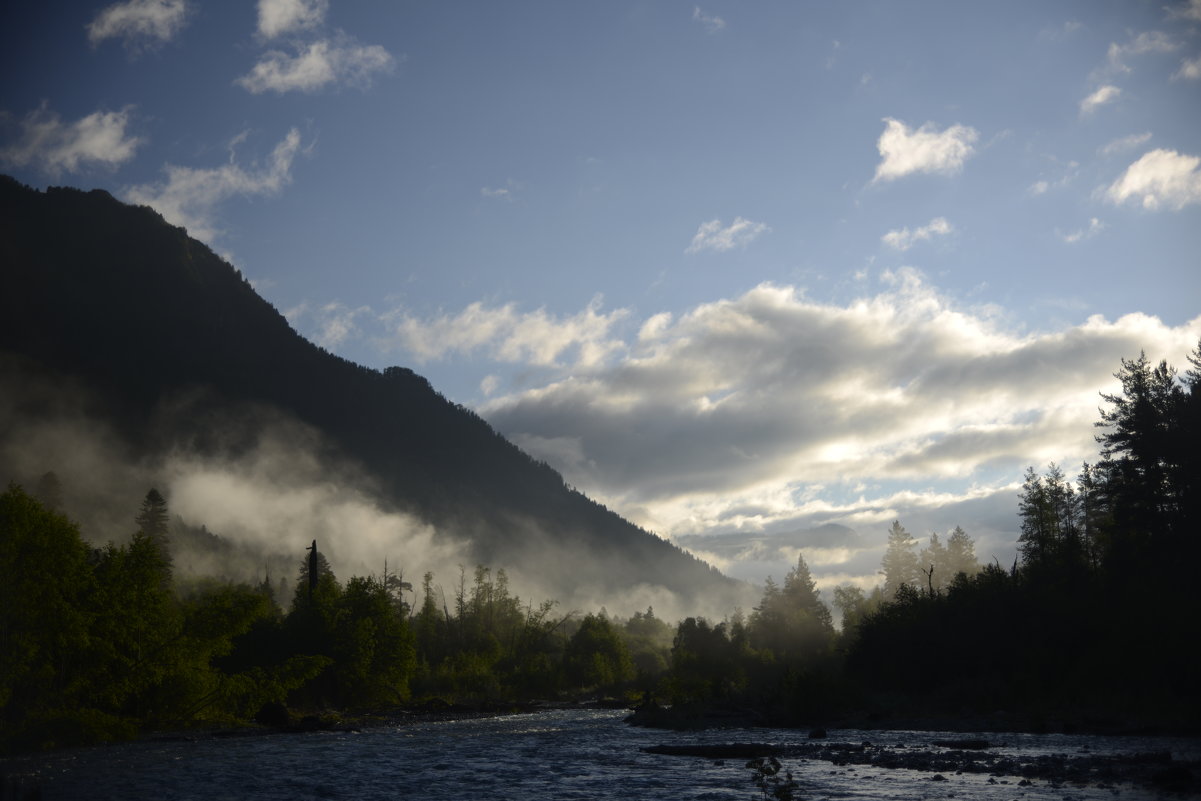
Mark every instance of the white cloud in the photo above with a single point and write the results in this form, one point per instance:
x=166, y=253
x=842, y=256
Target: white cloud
x=506, y=192
x=1160, y=178
x=190, y=197
x=98, y=139
x=711, y=22
x=1190, y=69
x=317, y=65
x=1146, y=42
x=1191, y=9
x=1125, y=143
x=139, y=22
x=756, y=411
x=1095, y=227
x=1106, y=94
x=711, y=236
x=277, y=17
x=332, y=324
x=906, y=151
x=902, y=239
x=535, y=338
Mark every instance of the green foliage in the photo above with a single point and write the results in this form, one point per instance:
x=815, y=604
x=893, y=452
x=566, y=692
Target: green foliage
x=596, y=656
x=44, y=615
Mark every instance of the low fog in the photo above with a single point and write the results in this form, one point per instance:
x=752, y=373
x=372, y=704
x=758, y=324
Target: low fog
x=268, y=485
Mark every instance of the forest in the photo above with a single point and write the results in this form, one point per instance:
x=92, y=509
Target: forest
x=1094, y=625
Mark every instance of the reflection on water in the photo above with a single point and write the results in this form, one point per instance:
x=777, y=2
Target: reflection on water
x=551, y=755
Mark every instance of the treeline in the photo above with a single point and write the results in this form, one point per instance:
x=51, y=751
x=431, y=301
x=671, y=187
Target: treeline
x=100, y=643
x=1095, y=624
x=1097, y=621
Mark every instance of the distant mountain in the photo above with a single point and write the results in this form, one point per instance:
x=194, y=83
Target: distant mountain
x=114, y=298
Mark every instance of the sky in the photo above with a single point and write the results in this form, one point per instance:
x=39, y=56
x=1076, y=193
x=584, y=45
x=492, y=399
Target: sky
x=761, y=277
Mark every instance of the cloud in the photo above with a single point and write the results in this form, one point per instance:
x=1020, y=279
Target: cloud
x=1190, y=10
x=1106, y=94
x=139, y=22
x=277, y=17
x=98, y=139
x=906, y=151
x=764, y=409
x=331, y=324
x=711, y=22
x=1160, y=178
x=711, y=236
x=317, y=65
x=1125, y=143
x=1095, y=227
x=535, y=338
x=505, y=192
x=190, y=196
x=1146, y=42
x=1190, y=70
x=902, y=239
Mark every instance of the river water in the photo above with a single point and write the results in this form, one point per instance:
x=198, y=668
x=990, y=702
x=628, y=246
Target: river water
x=564, y=754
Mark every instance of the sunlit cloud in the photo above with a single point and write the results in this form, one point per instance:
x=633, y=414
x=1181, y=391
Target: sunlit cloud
x=1105, y=94
x=906, y=151
x=505, y=334
x=341, y=61
x=1190, y=69
x=140, y=23
x=902, y=239
x=331, y=324
x=277, y=17
x=1095, y=227
x=712, y=236
x=191, y=197
x=1125, y=143
x=54, y=146
x=1160, y=179
x=766, y=408
x=1145, y=42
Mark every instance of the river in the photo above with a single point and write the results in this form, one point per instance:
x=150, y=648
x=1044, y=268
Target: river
x=564, y=754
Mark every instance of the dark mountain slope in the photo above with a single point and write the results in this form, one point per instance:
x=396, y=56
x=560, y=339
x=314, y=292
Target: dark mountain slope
x=141, y=314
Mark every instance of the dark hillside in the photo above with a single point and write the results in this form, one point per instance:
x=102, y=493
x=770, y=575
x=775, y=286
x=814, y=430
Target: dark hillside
x=130, y=306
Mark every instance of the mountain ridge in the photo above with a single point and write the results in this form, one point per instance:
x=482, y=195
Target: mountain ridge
x=117, y=298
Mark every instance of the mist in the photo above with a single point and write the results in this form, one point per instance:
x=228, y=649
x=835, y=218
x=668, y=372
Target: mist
x=250, y=487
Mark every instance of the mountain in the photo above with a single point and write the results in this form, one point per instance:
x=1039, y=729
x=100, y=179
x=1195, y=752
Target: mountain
x=163, y=338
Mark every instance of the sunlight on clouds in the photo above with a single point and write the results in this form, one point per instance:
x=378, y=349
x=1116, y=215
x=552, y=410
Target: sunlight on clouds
x=1125, y=143
x=277, y=17
x=536, y=338
x=1095, y=227
x=1106, y=94
x=139, y=22
x=320, y=64
x=738, y=234
x=1145, y=42
x=1190, y=69
x=744, y=403
x=1160, y=178
x=926, y=150
x=53, y=146
x=190, y=196
x=902, y=239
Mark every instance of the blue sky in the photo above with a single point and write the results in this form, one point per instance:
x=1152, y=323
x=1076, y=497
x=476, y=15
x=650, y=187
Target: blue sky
x=732, y=268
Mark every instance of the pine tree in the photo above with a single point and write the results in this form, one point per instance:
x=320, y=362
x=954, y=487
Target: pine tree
x=899, y=565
